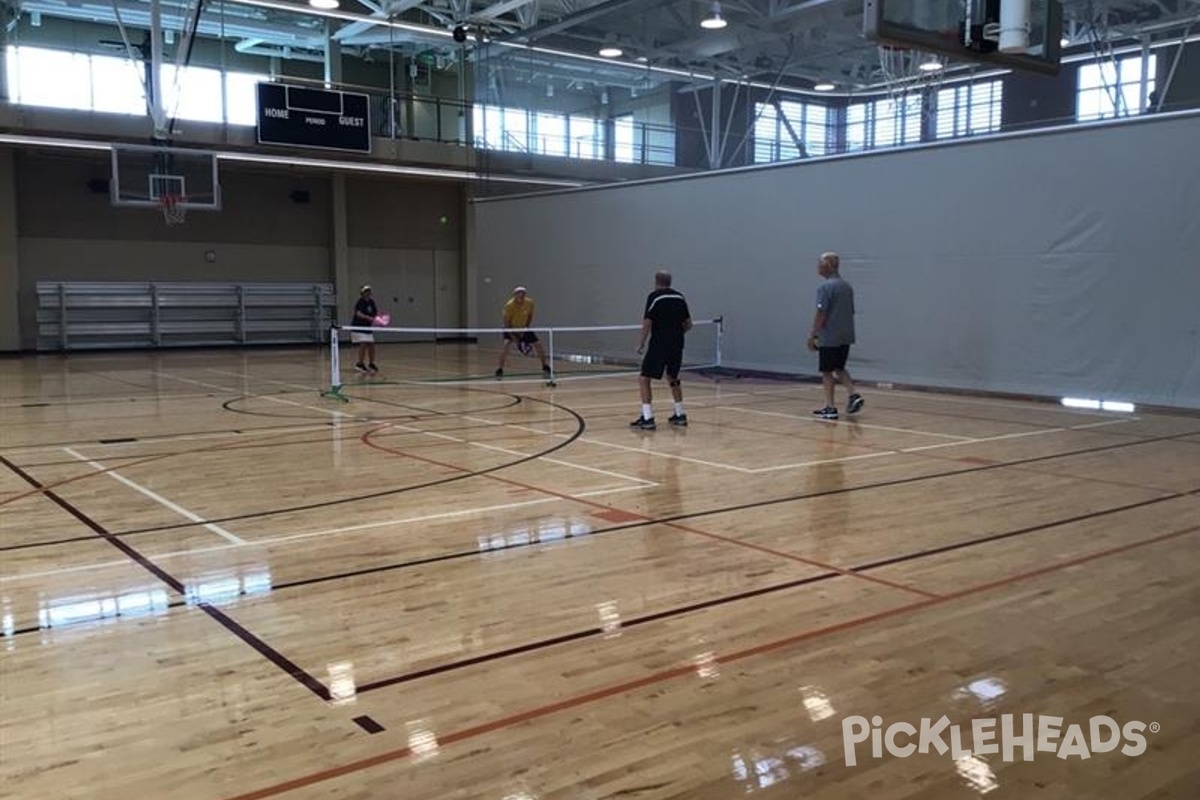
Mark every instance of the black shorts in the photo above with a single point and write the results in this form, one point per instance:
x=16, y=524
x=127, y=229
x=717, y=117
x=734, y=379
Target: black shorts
x=662, y=359
x=833, y=358
x=528, y=337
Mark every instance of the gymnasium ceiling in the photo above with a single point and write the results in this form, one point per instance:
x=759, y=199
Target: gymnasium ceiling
x=537, y=42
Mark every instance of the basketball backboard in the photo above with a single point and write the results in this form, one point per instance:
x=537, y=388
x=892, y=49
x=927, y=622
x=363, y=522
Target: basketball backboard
x=970, y=30
x=144, y=176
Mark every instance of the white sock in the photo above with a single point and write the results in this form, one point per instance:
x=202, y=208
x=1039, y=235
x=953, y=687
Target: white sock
x=647, y=411
x=679, y=409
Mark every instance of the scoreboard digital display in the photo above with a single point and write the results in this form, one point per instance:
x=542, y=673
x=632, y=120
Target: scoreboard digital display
x=302, y=117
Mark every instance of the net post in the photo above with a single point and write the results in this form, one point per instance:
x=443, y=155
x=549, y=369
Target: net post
x=550, y=355
x=720, y=333
x=335, y=368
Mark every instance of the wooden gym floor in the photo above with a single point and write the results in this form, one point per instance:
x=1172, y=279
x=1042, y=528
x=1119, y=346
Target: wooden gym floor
x=217, y=585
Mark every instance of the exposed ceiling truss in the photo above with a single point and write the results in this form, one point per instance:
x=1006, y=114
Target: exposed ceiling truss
x=794, y=43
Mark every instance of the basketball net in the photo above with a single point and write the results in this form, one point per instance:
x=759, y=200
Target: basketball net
x=907, y=83
x=173, y=209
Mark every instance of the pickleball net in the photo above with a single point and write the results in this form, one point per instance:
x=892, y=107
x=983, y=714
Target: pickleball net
x=467, y=355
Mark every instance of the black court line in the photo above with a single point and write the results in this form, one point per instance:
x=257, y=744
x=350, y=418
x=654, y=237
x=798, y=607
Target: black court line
x=465, y=475
x=265, y=650
x=713, y=603
x=367, y=724
x=300, y=424
x=589, y=632
x=255, y=445
x=676, y=518
x=422, y=413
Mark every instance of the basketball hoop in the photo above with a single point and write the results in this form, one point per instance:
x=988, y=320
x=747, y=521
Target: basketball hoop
x=173, y=207
x=909, y=75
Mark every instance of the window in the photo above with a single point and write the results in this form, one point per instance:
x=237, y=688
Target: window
x=193, y=93
x=241, y=97
x=115, y=84
x=775, y=135
x=624, y=132
x=517, y=129
x=1113, y=90
x=969, y=109
x=551, y=136
x=587, y=138
x=53, y=78
x=883, y=123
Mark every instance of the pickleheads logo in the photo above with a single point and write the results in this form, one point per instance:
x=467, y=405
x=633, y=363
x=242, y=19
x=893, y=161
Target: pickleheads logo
x=1010, y=737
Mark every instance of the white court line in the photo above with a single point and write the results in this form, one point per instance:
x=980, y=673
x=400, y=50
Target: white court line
x=1104, y=423
x=328, y=532
x=485, y=446
x=627, y=448
x=258, y=396
x=820, y=462
x=834, y=422
x=1022, y=434
x=178, y=509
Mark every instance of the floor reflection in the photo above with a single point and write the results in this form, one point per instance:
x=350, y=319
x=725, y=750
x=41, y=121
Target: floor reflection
x=550, y=530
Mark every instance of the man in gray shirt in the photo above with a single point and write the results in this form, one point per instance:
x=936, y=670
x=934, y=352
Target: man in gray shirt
x=833, y=333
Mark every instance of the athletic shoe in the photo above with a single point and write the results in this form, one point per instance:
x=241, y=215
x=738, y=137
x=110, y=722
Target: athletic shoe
x=678, y=419
x=499, y=373
x=643, y=423
x=856, y=403
x=546, y=368
x=361, y=367
x=374, y=369
x=828, y=412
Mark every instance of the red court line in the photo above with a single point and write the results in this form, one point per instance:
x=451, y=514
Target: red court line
x=677, y=672
x=367, y=436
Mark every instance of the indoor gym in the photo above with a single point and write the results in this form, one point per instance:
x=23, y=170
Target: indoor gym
x=232, y=567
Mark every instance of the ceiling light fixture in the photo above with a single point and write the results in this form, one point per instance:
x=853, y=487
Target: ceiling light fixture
x=824, y=86
x=611, y=51
x=931, y=64
x=714, y=21
x=324, y=5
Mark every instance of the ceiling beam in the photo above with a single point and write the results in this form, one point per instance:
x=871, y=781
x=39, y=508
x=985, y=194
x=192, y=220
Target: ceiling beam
x=493, y=11
x=578, y=18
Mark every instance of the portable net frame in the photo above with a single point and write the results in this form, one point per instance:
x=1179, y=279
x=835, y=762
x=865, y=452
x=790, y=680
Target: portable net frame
x=471, y=355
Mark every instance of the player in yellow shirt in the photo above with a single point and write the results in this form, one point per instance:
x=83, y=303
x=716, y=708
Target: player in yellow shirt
x=518, y=313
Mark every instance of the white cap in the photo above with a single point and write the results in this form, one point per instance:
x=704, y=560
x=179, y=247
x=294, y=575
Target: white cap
x=520, y=289
x=366, y=287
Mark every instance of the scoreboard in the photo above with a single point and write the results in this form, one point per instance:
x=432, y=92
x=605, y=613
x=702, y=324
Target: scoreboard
x=302, y=117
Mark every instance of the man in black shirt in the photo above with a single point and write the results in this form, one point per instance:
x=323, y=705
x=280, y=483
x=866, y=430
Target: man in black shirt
x=364, y=315
x=665, y=321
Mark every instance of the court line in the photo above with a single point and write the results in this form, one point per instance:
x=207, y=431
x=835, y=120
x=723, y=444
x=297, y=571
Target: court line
x=158, y=498
x=678, y=672
x=367, y=436
x=272, y=655
x=858, y=424
x=678, y=611
x=691, y=515
x=507, y=451
x=666, y=613
x=627, y=448
x=327, y=532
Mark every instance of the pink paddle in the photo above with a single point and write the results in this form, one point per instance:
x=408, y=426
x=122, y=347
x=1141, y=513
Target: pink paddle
x=381, y=320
